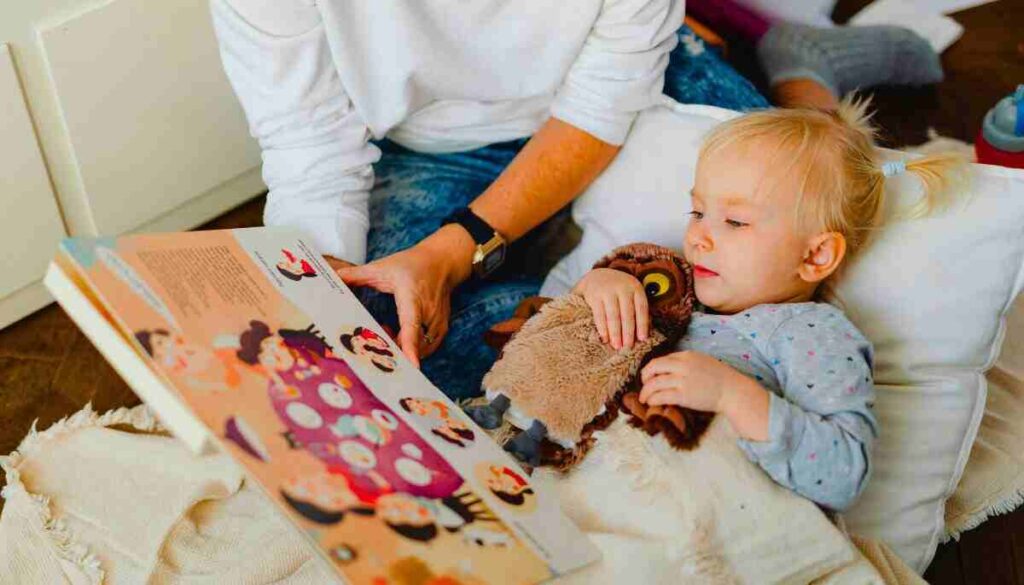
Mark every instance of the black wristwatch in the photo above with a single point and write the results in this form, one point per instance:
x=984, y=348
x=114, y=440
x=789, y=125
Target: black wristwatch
x=490, y=246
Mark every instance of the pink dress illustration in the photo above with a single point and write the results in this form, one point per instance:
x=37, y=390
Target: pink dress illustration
x=330, y=413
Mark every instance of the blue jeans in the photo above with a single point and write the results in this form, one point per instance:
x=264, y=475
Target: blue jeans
x=414, y=192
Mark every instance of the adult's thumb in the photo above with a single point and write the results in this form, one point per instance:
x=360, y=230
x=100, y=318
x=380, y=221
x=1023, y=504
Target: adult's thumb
x=360, y=275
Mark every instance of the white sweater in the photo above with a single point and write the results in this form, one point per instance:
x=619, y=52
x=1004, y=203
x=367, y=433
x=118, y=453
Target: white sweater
x=319, y=78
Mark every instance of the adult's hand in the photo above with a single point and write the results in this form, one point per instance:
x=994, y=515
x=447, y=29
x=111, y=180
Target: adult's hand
x=337, y=263
x=557, y=163
x=421, y=279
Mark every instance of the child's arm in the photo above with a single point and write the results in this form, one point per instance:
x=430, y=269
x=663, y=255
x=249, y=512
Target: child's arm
x=816, y=441
x=619, y=305
x=819, y=437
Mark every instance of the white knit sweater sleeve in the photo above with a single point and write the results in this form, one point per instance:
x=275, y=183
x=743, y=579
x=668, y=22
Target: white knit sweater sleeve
x=317, y=158
x=621, y=68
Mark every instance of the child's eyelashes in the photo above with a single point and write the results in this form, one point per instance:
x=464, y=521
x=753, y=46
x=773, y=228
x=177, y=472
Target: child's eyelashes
x=699, y=215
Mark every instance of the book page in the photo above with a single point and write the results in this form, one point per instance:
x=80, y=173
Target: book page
x=281, y=362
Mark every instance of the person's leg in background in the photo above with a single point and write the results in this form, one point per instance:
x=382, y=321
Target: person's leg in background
x=815, y=67
x=414, y=192
x=697, y=74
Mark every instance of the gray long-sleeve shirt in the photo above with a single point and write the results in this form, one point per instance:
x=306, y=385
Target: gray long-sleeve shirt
x=817, y=366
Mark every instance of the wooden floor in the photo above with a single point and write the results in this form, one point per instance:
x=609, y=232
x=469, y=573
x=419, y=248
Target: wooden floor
x=48, y=369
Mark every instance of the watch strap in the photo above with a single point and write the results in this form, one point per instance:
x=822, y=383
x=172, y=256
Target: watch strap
x=478, y=229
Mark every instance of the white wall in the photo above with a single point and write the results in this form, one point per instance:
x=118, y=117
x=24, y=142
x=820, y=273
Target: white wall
x=134, y=120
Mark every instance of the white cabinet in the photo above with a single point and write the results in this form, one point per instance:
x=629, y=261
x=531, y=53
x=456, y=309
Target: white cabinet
x=137, y=125
x=151, y=119
x=30, y=225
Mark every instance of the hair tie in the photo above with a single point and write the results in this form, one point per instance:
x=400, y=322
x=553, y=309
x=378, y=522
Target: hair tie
x=893, y=167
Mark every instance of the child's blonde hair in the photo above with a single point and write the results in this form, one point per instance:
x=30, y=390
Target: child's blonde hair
x=843, y=180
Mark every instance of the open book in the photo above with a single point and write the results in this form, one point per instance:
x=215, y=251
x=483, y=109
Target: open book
x=245, y=341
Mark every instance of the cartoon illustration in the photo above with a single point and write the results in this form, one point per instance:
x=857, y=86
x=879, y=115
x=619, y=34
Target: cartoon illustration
x=482, y=536
x=199, y=367
x=294, y=268
x=274, y=354
x=366, y=344
x=329, y=412
x=443, y=423
x=343, y=554
x=383, y=499
x=322, y=498
x=421, y=518
x=508, y=485
x=240, y=433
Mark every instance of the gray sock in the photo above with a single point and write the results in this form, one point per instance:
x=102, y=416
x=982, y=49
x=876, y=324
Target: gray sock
x=848, y=57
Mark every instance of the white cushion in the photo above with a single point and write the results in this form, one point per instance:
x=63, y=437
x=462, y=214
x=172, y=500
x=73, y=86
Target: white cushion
x=931, y=294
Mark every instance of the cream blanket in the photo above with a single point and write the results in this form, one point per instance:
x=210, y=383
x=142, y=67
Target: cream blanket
x=110, y=498
x=704, y=516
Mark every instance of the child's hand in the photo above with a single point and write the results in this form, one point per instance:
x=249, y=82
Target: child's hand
x=690, y=379
x=619, y=305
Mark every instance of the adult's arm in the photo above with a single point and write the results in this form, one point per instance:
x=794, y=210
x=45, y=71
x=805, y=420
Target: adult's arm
x=317, y=158
x=619, y=72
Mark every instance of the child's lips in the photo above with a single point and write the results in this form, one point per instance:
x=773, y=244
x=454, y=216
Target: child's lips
x=702, y=272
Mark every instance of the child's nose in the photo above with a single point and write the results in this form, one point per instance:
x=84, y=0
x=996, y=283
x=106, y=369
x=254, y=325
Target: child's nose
x=699, y=238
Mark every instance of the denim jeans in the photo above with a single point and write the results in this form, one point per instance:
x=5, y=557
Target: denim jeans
x=414, y=192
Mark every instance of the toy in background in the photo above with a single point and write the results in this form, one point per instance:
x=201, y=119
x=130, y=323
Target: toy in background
x=556, y=382
x=1001, y=138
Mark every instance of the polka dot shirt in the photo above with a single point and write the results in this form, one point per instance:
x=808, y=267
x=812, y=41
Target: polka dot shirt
x=817, y=366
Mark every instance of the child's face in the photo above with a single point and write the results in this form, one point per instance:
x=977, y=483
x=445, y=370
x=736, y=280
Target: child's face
x=502, y=482
x=275, y=354
x=743, y=240
x=399, y=508
x=418, y=407
x=328, y=492
x=293, y=267
x=372, y=349
x=178, y=356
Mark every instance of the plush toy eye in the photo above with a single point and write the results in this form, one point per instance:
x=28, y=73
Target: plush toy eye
x=656, y=284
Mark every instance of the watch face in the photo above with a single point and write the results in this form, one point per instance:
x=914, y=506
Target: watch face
x=489, y=255
x=493, y=260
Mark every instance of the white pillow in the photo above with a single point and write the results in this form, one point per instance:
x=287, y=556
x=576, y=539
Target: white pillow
x=931, y=294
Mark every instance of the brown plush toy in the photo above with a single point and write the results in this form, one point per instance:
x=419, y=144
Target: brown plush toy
x=557, y=382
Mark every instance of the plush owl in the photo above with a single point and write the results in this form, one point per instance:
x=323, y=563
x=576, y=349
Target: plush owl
x=557, y=382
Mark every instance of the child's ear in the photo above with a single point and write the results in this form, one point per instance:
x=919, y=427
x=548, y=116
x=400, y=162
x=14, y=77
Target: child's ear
x=824, y=254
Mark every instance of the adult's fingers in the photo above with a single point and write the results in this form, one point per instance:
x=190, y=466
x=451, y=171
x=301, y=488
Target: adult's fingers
x=435, y=332
x=337, y=264
x=611, y=311
x=643, y=315
x=409, y=319
x=365, y=275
